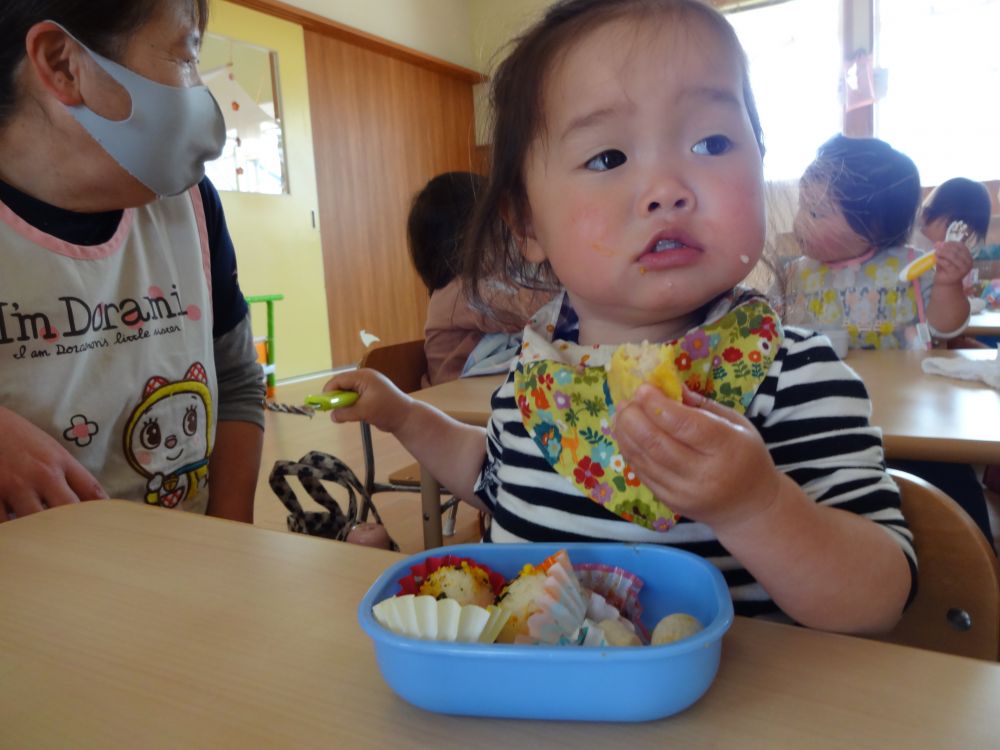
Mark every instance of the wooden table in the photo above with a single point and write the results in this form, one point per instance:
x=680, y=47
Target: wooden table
x=986, y=323
x=923, y=417
x=126, y=626
x=467, y=400
x=928, y=417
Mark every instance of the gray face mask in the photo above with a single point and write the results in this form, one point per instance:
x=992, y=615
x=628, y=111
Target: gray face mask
x=169, y=135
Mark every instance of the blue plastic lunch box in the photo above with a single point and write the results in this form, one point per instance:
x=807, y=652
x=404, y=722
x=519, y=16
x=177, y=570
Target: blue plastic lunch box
x=563, y=682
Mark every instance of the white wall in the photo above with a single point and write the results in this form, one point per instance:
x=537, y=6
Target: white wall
x=435, y=27
x=464, y=32
x=494, y=22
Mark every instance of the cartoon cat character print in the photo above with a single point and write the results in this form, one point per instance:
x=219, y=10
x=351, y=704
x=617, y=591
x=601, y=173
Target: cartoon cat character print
x=168, y=437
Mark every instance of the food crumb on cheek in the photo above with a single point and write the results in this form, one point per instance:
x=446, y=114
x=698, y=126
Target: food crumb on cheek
x=602, y=249
x=745, y=258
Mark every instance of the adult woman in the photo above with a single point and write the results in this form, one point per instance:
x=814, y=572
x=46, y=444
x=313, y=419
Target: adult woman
x=125, y=348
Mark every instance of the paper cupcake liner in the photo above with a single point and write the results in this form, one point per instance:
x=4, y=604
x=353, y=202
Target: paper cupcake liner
x=588, y=634
x=619, y=587
x=602, y=634
x=599, y=608
x=561, y=607
x=433, y=619
x=600, y=611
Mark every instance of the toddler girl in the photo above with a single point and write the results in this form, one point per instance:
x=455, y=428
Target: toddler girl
x=957, y=199
x=857, y=205
x=627, y=165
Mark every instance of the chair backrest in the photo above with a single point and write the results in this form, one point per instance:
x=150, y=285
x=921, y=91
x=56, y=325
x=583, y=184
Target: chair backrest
x=404, y=364
x=957, y=606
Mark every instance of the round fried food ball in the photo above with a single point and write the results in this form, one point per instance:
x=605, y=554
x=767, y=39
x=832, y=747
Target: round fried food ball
x=617, y=633
x=674, y=627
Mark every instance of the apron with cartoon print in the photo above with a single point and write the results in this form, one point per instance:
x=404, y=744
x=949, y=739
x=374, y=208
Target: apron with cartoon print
x=562, y=394
x=864, y=297
x=108, y=348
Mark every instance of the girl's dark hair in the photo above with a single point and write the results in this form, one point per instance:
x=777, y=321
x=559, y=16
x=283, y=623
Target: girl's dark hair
x=102, y=25
x=876, y=187
x=518, y=117
x=960, y=199
x=437, y=225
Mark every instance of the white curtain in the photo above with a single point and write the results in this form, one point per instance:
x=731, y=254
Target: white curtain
x=794, y=49
x=942, y=101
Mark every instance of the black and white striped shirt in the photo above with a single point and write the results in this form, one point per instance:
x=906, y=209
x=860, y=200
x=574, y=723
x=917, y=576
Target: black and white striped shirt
x=812, y=412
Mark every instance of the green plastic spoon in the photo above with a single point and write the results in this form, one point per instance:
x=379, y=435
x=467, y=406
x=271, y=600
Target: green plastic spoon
x=331, y=400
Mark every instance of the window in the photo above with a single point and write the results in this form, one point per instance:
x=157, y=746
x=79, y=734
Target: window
x=943, y=76
x=243, y=78
x=794, y=49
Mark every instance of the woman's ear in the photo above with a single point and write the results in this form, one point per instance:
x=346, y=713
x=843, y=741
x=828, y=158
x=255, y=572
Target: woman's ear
x=55, y=58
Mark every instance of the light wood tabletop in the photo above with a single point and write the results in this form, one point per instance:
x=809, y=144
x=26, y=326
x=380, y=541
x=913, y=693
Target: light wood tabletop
x=465, y=399
x=929, y=417
x=986, y=323
x=126, y=626
x=923, y=417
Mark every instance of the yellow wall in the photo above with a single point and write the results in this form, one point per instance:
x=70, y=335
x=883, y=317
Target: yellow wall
x=277, y=247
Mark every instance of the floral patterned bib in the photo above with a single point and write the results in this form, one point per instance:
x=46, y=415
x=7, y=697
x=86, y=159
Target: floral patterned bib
x=562, y=392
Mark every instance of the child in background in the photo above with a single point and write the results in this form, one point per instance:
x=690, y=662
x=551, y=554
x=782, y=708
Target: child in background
x=627, y=165
x=436, y=230
x=962, y=199
x=857, y=204
x=957, y=199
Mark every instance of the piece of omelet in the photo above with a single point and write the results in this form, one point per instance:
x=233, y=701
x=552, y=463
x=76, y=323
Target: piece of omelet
x=634, y=364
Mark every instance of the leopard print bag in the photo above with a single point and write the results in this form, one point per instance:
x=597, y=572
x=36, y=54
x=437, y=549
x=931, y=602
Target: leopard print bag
x=312, y=470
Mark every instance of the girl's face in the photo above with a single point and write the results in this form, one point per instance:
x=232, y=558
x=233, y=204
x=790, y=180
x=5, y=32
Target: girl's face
x=821, y=229
x=645, y=186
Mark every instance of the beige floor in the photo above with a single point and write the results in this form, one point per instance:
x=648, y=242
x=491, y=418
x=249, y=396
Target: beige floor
x=289, y=436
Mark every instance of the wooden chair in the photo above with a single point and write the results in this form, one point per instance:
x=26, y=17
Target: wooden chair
x=405, y=365
x=957, y=606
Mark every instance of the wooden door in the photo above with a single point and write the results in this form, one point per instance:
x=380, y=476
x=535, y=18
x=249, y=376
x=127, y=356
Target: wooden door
x=382, y=127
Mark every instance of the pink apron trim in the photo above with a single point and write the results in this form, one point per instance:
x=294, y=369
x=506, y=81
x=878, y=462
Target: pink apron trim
x=206, y=254
x=68, y=249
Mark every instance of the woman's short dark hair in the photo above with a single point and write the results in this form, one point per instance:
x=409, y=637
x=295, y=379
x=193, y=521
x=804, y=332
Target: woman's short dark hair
x=960, y=199
x=876, y=187
x=438, y=221
x=102, y=25
x=517, y=95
